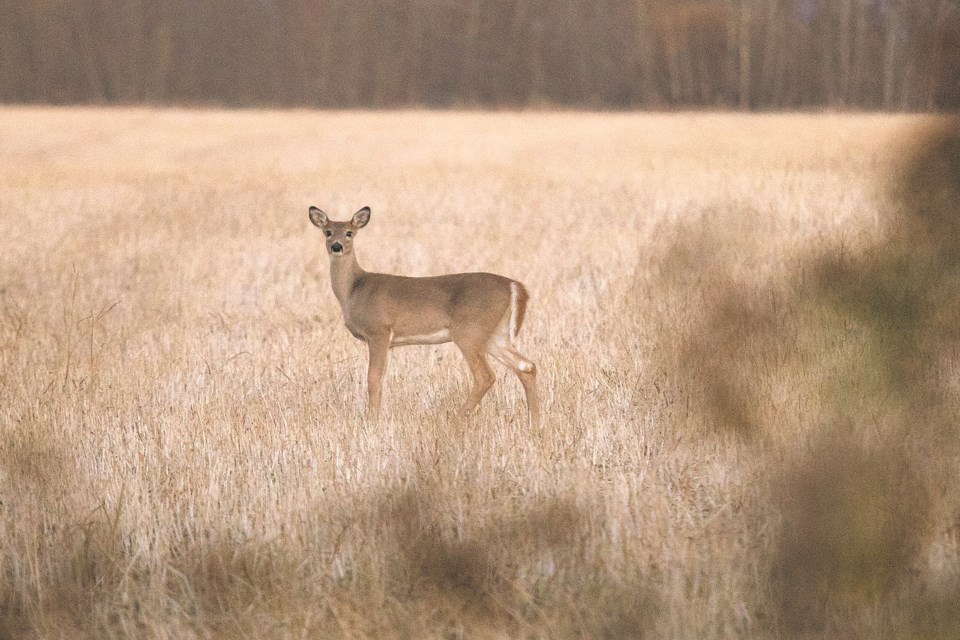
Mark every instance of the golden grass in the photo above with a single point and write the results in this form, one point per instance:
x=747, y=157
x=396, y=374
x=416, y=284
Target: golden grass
x=182, y=449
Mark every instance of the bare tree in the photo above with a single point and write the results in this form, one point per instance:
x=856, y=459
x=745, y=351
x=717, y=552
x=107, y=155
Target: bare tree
x=747, y=54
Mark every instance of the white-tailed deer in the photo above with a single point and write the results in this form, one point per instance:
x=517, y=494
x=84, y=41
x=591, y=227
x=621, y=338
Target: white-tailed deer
x=479, y=312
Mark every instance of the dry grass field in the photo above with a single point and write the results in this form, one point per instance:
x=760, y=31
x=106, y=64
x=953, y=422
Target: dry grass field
x=747, y=366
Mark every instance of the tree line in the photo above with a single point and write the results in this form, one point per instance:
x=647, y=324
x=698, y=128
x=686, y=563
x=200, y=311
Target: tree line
x=607, y=54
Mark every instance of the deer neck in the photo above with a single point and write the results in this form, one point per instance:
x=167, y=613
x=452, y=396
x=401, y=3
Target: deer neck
x=344, y=272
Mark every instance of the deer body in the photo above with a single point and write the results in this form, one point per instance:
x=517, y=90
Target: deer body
x=480, y=312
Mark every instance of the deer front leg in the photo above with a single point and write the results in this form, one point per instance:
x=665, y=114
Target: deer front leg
x=378, y=347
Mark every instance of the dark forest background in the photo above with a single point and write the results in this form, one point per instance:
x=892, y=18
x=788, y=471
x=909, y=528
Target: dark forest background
x=748, y=54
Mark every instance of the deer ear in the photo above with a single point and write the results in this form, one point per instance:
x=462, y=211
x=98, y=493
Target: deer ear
x=318, y=217
x=361, y=218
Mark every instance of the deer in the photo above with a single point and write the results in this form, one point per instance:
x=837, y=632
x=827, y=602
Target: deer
x=481, y=313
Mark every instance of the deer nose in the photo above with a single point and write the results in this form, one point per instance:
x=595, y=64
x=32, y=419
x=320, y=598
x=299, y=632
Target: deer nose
x=336, y=247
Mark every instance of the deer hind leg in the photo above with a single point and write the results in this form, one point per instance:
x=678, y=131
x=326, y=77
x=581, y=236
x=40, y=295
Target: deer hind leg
x=504, y=351
x=483, y=376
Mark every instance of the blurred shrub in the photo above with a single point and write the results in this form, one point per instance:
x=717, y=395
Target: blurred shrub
x=865, y=493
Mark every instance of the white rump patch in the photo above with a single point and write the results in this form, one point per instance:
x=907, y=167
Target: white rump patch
x=525, y=366
x=514, y=299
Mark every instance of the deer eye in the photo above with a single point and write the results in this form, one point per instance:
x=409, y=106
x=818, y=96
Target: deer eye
x=328, y=233
x=349, y=234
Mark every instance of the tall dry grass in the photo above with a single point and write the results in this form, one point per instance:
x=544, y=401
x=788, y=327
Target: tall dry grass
x=182, y=452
